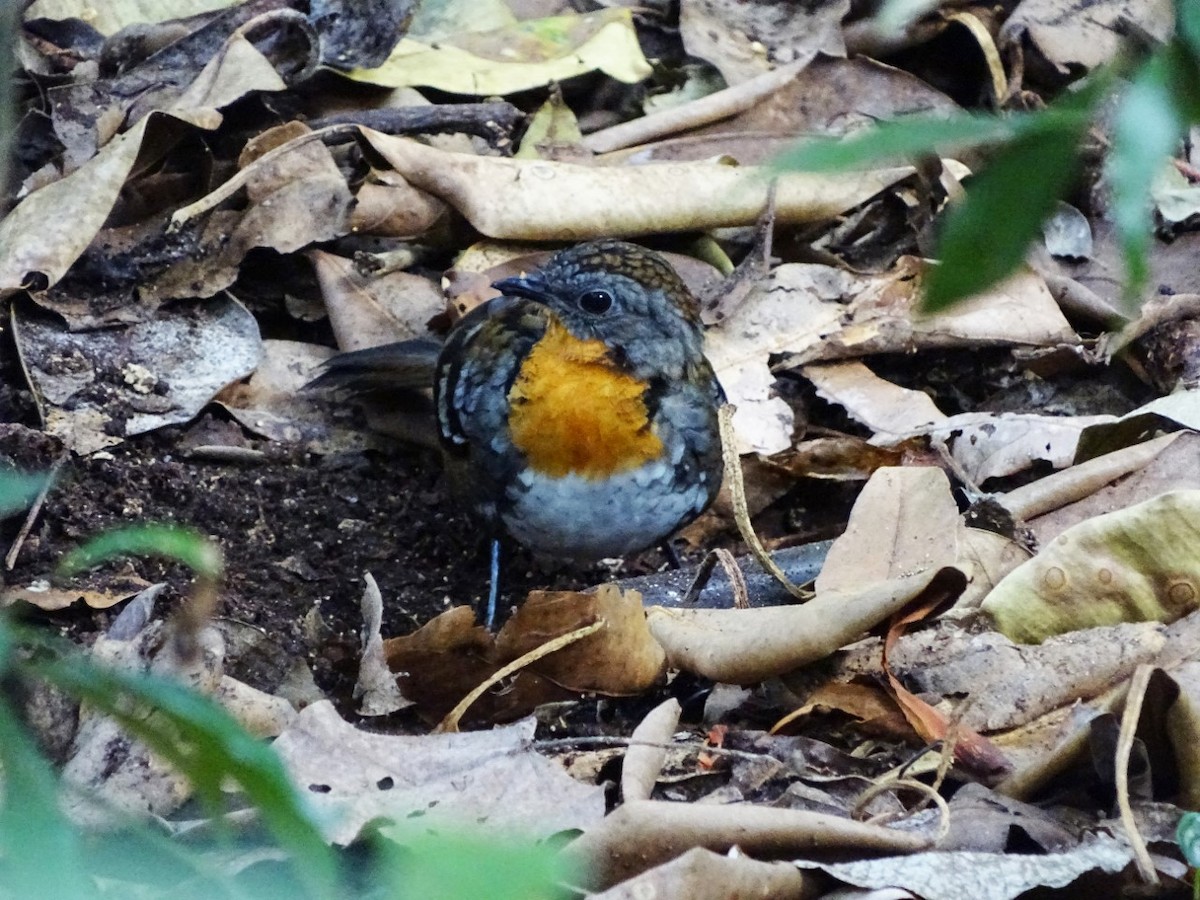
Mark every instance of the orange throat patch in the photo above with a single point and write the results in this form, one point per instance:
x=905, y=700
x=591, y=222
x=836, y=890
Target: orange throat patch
x=571, y=410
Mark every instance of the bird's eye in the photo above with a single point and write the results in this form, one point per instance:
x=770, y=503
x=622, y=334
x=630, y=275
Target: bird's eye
x=595, y=302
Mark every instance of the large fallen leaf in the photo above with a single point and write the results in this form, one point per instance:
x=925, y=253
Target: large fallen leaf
x=1137, y=564
x=524, y=199
x=904, y=520
x=493, y=778
x=526, y=55
x=95, y=388
x=742, y=646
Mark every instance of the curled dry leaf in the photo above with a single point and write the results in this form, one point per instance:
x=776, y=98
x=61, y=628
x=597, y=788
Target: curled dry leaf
x=388, y=206
x=1056, y=502
x=523, y=199
x=1134, y=565
x=48, y=598
x=701, y=874
x=448, y=657
x=646, y=833
x=646, y=754
x=49, y=229
x=742, y=646
x=376, y=688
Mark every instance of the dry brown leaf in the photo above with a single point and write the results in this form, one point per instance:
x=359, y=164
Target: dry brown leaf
x=646, y=833
x=522, y=199
x=905, y=520
x=445, y=659
x=50, y=599
x=885, y=408
x=492, y=778
x=622, y=658
x=700, y=874
x=370, y=310
x=388, y=206
x=743, y=646
x=49, y=229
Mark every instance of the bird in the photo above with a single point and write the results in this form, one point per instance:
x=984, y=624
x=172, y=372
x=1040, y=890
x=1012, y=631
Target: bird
x=576, y=412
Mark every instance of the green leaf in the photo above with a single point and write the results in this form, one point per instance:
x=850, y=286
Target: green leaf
x=902, y=138
x=18, y=490
x=206, y=744
x=984, y=237
x=1187, y=26
x=183, y=544
x=448, y=866
x=1188, y=835
x=41, y=853
x=1147, y=127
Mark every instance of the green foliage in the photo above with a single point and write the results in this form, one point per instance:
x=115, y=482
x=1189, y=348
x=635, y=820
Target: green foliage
x=1035, y=161
x=33, y=832
x=18, y=490
x=1187, y=833
x=984, y=238
x=185, y=545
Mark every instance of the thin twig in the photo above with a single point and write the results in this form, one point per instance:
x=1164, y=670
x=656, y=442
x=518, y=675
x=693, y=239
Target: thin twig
x=14, y=551
x=450, y=722
x=1129, y=723
x=712, y=108
x=741, y=510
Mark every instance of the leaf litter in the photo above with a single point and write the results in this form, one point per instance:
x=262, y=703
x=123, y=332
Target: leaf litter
x=188, y=233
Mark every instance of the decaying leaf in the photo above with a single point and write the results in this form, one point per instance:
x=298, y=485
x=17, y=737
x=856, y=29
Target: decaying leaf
x=516, y=58
x=1134, y=565
x=488, y=778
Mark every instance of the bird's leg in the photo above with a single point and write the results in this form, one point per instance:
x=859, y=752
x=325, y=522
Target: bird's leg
x=672, y=555
x=493, y=585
